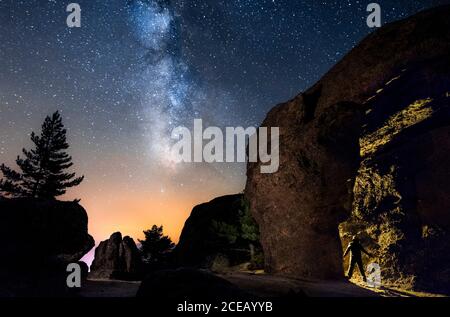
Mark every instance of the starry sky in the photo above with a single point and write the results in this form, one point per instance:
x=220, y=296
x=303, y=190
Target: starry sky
x=138, y=68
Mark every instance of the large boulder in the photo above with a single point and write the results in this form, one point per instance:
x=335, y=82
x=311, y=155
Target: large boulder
x=218, y=234
x=188, y=284
x=39, y=239
x=299, y=208
x=117, y=258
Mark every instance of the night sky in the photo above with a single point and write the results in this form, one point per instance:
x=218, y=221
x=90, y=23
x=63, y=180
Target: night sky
x=137, y=68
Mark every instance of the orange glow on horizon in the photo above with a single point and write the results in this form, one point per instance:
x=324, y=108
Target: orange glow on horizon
x=131, y=212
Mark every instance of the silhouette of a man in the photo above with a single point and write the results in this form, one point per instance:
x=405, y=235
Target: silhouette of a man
x=355, y=248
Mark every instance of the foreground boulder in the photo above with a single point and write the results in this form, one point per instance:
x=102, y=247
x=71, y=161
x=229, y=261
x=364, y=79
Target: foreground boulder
x=39, y=239
x=218, y=234
x=398, y=73
x=117, y=258
x=188, y=284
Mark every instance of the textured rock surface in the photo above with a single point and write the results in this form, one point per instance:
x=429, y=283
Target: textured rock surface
x=39, y=239
x=402, y=204
x=213, y=234
x=299, y=207
x=117, y=258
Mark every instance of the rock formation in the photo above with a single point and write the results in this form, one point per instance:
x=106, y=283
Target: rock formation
x=402, y=190
x=117, y=258
x=39, y=239
x=379, y=116
x=217, y=234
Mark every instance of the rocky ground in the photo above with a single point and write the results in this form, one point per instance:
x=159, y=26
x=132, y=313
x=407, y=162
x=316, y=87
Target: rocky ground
x=261, y=285
x=109, y=288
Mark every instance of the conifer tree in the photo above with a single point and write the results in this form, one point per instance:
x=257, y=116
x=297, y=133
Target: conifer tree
x=156, y=246
x=43, y=168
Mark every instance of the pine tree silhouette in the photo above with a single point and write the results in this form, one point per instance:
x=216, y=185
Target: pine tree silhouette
x=42, y=168
x=156, y=246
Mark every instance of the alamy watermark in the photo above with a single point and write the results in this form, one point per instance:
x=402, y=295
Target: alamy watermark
x=73, y=279
x=373, y=19
x=373, y=275
x=190, y=147
x=74, y=18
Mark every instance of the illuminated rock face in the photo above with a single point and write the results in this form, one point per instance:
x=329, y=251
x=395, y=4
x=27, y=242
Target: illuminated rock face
x=402, y=192
x=300, y=207
x=388, y=95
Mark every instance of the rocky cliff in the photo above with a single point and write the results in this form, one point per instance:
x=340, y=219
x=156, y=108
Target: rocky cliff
x=117, y=258
x=39, y=239
x=402, y=190
x=380, y=116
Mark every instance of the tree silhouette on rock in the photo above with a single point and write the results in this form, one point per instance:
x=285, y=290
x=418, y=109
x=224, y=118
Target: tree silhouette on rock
x=156, y=247
x=43, y=168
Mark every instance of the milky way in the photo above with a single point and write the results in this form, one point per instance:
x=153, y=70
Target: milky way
x=161, y=80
